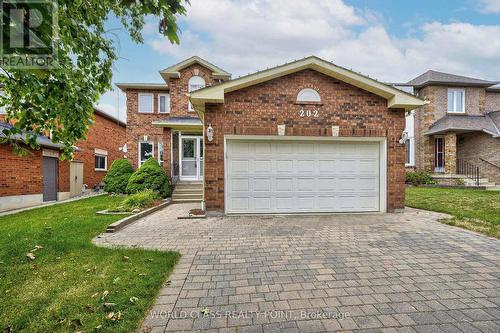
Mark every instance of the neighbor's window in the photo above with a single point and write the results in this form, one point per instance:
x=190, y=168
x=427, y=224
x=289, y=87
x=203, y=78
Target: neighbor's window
x=160, y=153
x=146, y=150
x=456, y=100
x=195, y=83
x=146, y=103
x=100, y=162
x=408, y=151
x=164, y=103
x=308, y=95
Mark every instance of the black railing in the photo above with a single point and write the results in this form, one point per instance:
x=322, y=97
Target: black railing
x=468, y=170
x=490, y=163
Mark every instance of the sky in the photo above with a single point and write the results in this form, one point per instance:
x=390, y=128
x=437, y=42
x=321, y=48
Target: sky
x=390, y=40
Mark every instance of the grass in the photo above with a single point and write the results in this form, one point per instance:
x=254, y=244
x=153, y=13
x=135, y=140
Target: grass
x=475, y=210
x=62, y=289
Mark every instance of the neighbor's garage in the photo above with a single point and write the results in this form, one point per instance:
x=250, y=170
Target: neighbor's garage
x=303, y=176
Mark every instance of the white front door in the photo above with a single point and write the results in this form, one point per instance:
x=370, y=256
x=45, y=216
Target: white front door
x=302, y=176
x=191, y=158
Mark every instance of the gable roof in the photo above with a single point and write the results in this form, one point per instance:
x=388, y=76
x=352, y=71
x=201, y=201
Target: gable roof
x=395, y=97
x=439, y=78
x=174, y=71
x=109, y=117
x=43, y=141
x=145, y=86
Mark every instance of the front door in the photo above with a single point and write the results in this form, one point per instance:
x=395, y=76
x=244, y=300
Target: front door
x=191, y=158
x=439, y=154
x=49, y=179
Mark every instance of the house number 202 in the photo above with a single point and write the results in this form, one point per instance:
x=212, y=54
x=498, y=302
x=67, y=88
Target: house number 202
x=309, y=113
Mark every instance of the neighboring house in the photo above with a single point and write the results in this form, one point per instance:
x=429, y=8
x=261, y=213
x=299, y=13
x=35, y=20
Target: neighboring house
x=304, y=137
x=41, y=177
x=457, y=132
x=103, y=144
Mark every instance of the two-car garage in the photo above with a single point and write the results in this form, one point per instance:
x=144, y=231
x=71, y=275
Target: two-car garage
x=318, y=175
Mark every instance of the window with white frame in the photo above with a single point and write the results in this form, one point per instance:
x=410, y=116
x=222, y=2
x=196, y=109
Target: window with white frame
x=308, y=95
x=195, y=83
x=164, y=103
x=146, y=150
x=160, y=153
x=100, y=162
x=456, y=100
x=100, y=159
x=146, y=103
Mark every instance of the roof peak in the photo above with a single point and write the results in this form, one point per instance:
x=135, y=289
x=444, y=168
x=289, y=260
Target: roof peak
x=434, y=77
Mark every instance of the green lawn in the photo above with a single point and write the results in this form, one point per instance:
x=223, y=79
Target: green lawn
x=473, y=209
x=62, y=289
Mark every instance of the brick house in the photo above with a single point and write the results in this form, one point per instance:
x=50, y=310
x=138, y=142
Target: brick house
x=42, y=177
x=307, y=136
x=458, y=132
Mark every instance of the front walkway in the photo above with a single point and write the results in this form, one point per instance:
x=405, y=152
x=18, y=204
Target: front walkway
x=383, y=272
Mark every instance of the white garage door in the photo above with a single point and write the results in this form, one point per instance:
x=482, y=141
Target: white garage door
x=302, y=176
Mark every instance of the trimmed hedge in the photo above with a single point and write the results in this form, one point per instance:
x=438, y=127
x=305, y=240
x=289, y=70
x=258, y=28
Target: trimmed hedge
x=419, y=178
x=150, y=176
x=116, y=179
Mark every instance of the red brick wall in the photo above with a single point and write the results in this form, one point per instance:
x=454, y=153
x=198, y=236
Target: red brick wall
x=140, y=124
x=20, y=175
x=257, y=110
x=105, y=134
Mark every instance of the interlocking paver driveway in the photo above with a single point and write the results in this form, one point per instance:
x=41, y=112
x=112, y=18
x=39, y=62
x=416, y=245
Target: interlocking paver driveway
x=378, y=272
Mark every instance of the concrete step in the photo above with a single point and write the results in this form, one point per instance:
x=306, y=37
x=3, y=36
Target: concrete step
x=187, y=196
x=188, y=190
x=186, y=200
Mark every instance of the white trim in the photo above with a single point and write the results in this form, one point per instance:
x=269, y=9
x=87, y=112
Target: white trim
x=105, y=162
x=139, y=151
x=172, y=154
x=454, y=102
x=139, y=102
x=167, y=103
x=382, y=151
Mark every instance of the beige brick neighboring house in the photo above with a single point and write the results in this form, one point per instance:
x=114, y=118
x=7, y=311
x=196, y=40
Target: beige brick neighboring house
x=307, y=136
x=458, y=130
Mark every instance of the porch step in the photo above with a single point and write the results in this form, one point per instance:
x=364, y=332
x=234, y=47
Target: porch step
x=188, y=192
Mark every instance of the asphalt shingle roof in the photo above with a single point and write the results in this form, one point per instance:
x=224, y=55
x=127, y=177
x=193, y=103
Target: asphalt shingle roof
x=488, y=123
x=41, y=140
x=435, y=77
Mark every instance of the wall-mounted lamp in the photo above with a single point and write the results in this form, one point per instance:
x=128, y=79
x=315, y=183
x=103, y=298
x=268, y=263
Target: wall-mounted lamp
x=404, y=137
x=210, y=133
x=145, y=138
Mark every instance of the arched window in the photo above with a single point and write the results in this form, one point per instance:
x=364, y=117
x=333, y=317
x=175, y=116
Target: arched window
x=195, y=83
x=308, y=95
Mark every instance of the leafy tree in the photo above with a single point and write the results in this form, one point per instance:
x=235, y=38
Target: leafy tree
x=116, y=179
x=150, y=176
x=60, y=100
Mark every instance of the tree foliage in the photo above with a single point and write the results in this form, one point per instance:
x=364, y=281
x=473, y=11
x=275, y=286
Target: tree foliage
x=150, y=176
x=60, y=100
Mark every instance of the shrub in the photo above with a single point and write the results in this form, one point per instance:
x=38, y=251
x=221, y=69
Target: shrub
x=116, y=179
x=150, y=176
x=139, y=200
x=418, y=178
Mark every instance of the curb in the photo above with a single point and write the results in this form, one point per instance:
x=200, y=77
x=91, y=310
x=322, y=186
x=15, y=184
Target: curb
x=120, y=224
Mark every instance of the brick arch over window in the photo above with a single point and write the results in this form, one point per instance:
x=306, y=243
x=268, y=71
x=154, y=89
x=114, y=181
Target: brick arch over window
x=308, y=95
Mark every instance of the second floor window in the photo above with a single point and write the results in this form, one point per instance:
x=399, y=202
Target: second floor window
x=195, y=83
x=146, y=103
x=164, y=103
x=456, y=100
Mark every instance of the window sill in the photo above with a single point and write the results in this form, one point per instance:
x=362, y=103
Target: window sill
x=101, y=170
x=308, y=103
x=457, y=113
x=142, y=112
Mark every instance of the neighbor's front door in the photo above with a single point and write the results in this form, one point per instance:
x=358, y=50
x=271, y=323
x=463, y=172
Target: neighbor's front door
x=191, y=158
x=439, y=154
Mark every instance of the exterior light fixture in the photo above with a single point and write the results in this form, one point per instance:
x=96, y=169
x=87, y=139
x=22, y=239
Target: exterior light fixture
x=210, y=133
x=404, y=137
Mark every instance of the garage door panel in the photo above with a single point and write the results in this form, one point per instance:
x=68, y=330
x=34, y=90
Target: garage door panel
x=294, y=176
